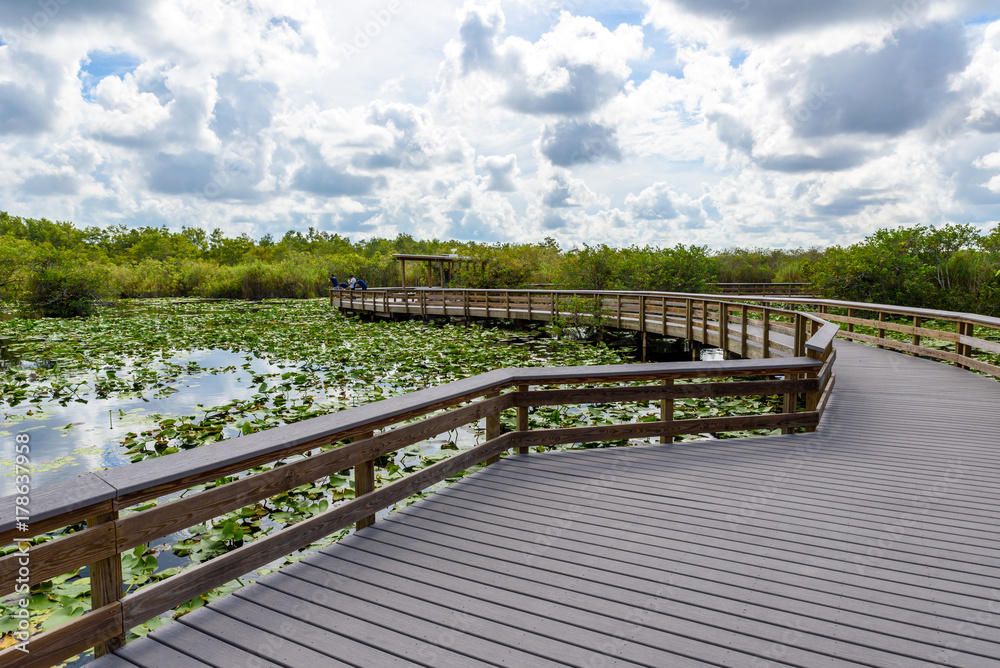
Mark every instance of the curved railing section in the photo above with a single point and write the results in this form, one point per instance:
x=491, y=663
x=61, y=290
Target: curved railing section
x=786, y=353
x=967, y=340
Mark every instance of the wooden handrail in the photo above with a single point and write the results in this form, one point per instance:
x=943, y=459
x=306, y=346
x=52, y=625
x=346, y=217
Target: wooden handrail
x=99, y=496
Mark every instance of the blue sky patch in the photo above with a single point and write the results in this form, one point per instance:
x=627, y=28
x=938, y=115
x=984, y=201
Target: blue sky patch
x=982, y=19
x=663, y=59
x=100, y=64
x=279, y=21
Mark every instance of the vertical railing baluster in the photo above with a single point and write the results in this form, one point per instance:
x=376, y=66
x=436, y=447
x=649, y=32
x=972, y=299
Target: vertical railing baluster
x=744, y=342
x=364, y=482
x=522, y=418
x=765, y=320
x=106, y=585
x=493, y=428
x=667, y=410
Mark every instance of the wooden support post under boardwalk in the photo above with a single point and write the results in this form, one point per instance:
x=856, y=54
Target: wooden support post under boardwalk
x=492, y=428
x=667, y=410
x=364, y=483
x=106, y=586
x=522, y=420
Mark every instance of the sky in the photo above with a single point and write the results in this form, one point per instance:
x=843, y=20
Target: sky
x=753, y=123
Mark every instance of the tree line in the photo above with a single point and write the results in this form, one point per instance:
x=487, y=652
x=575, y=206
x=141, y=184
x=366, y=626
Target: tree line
x=59, y=269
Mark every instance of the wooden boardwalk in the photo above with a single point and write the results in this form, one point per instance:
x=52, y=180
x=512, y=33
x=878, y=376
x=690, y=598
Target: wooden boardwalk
x=872, y=541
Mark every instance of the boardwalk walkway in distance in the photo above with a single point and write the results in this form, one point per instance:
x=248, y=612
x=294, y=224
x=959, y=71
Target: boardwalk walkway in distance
x=872, y=541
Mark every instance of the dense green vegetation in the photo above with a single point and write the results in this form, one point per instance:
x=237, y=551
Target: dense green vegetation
x=51, y=266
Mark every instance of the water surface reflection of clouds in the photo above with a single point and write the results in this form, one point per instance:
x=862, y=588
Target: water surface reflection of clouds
x=67, y=441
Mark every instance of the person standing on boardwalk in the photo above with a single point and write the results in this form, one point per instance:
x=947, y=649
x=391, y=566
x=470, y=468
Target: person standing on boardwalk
x=352, y=281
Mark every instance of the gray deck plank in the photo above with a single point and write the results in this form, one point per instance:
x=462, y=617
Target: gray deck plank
x=694, y=584
x=590, y=632
x=901, y=570
x=767, y=587
x=311, y=637
x=186, y=638
x=450, y=629
x=696, y=512
x=268, y=642
x=758, y=625
x=111, y=661
x=408, y=637
x=151, y=654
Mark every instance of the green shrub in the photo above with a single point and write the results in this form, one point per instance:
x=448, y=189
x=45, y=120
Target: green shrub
x=65, y=290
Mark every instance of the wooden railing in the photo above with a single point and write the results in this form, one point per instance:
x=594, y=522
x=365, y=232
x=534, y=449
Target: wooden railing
x=762, y=288
x=739, y=328
x=966, y=340
x=794, y=365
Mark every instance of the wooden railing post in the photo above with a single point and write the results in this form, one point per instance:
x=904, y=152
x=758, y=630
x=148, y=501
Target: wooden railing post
x=364, y=483
x=618, y=310
x=667, y=410
x=765, y=319
x=529, y=306
x=850, y=325
x=704, y=322
x=663, y=316
x=522, y=419
x=689, y=318
x=962, y=349
x=106, y=586
x=790, y=403
x=492, y=428
x=799, y=349
x=642, y=316
x=506, y=303
x=881, y=330
x=724, y=329
x=916, y=337
x=744, y=342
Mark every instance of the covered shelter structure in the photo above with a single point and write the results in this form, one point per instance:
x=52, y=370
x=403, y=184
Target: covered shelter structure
x=442, y=265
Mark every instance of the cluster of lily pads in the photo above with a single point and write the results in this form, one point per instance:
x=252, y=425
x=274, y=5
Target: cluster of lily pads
x=317, y=361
